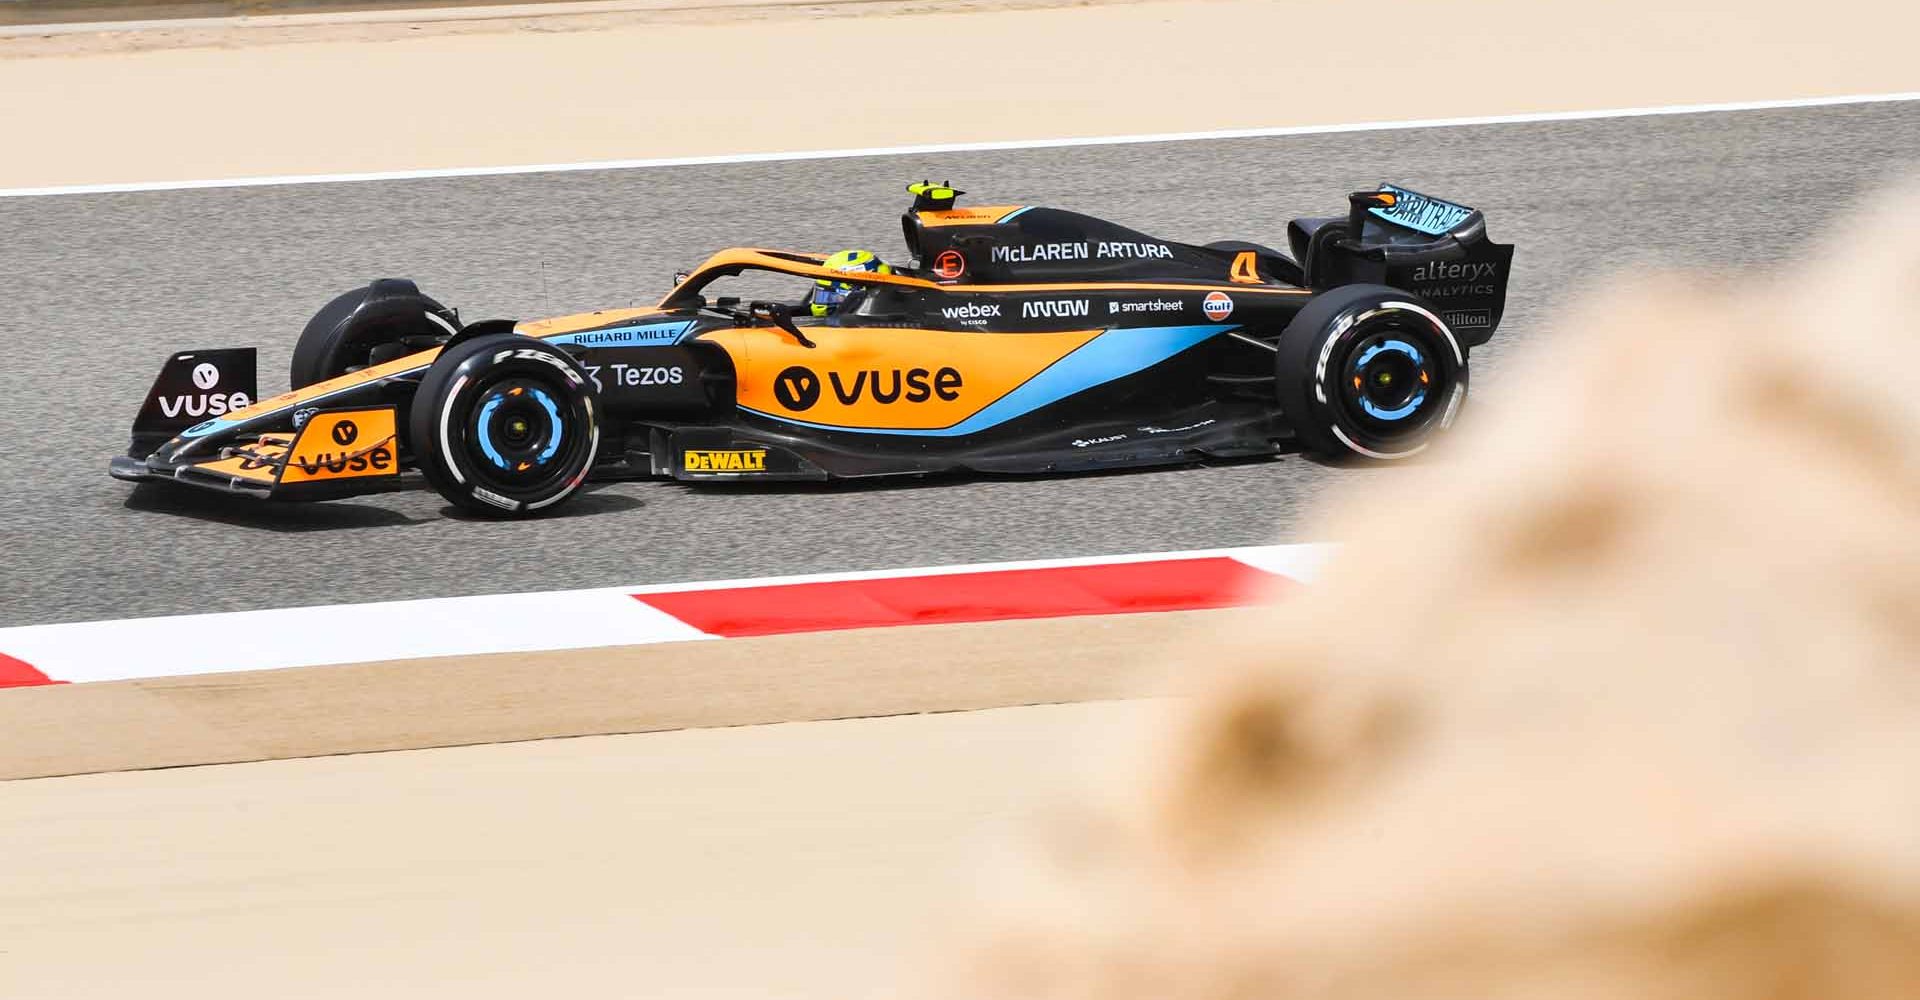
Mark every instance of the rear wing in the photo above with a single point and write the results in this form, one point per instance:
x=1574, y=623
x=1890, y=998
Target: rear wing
x=1411, y=210
x=1434, y=248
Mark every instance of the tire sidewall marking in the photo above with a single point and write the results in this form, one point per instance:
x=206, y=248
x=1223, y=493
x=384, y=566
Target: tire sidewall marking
x=506, y=358
x=1344, y=327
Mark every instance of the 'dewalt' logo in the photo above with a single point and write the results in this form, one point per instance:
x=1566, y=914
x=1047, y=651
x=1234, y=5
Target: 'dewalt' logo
x=345, y=444
x=742, y=460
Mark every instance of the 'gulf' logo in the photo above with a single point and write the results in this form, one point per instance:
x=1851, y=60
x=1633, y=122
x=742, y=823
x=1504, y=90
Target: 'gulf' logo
x=1217, y=306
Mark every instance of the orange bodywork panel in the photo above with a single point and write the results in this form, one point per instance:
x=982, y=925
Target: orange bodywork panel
x=886, y=378
x=973, y=215
x=581, y=321
x=373, y=373
x=358, y=443
x=345, y=444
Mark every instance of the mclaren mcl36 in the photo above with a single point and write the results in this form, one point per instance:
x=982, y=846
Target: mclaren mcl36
x=1019, y=340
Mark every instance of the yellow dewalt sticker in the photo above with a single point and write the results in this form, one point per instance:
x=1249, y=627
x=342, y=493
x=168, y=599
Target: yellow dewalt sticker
x=725, y=461
x=344, y=444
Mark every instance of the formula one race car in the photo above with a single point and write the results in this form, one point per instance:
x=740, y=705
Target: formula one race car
x=1021, y=340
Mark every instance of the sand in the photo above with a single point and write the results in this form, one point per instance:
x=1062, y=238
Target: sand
x=796, y=861
x=174, y=104
x=454, y=700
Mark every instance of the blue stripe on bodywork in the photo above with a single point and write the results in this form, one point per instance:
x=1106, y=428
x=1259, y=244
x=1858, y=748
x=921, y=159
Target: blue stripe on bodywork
x=637, y=335
x=1112, y=355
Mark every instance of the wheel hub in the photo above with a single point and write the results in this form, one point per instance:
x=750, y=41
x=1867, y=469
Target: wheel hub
x=1389, y=379
x=518, y=428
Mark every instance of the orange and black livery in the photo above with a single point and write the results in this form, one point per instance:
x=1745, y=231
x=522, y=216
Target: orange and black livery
x=1012, y=339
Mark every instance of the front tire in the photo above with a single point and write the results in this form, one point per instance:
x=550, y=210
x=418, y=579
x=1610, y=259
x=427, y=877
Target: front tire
x=505, y=425
x=1371, y=372
x=386, y=319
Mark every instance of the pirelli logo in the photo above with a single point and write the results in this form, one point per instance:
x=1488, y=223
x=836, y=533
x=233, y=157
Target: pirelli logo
x=754, y=460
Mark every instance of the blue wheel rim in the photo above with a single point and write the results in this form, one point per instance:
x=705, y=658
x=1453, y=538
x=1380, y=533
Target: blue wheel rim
x=1389, y=382
x=518, y=429
x=1364, y=364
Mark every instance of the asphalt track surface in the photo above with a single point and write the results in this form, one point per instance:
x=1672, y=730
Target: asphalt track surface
x=97, y=289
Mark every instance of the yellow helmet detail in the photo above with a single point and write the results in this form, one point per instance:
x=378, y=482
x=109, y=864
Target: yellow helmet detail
x=828, y=294
x=931, y=197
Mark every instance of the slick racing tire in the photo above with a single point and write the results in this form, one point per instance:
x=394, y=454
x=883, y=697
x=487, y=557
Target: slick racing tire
x=1371, y=372
x=387, y=319
x=505, y=425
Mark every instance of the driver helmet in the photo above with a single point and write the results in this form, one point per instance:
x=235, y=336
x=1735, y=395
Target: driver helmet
x=828, y=294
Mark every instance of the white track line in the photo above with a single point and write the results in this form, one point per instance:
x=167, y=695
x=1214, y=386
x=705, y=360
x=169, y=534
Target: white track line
x=273, y=638
x=965, y=147
x=407, y=15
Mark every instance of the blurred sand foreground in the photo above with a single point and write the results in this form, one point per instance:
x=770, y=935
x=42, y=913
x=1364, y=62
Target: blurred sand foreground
x=694, y=79
x=1620, y=700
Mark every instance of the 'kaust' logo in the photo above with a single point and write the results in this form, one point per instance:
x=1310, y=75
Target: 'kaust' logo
x=798, y=388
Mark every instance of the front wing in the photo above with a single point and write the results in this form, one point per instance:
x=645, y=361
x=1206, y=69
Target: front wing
x=334, y=453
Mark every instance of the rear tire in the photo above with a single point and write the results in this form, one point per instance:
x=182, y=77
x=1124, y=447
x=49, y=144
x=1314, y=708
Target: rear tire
x=359, y=327
x=505, y=425
x=1371, y=372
